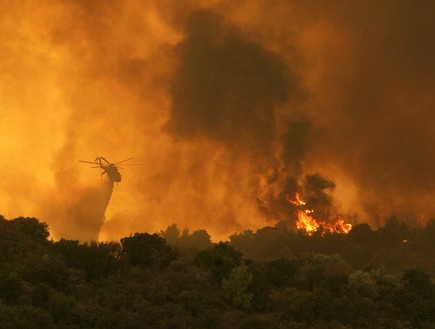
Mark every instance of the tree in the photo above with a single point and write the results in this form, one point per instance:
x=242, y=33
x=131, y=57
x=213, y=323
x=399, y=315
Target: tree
x=21, y=237
x=32, y=227
x=362, y=284
x=144, y=249
x=219, y=259
x=419, y=281
x=11, y=287
x=426, y=239
x=237, y=284
x=362, y=235
x=394, y=232
x=171, y=235
x=95, y=259
x=281, y=272
x=321, y=271
x=198, y=240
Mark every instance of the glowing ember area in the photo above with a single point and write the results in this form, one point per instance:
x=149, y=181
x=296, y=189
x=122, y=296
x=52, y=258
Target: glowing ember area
x=338, y=227
x=307, y=223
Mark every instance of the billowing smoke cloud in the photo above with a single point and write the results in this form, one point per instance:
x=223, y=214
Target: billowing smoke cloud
x=229, y=105
x=376, y=103
x=226, y=88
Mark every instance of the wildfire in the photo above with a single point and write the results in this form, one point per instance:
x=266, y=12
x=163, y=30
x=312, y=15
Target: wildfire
x=307, y=223
x=338, y=227
x=298, y=201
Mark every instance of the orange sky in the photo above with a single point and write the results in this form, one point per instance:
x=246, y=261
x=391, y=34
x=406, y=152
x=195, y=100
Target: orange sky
x=223, y=102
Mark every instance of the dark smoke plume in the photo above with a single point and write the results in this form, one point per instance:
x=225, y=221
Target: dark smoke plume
x=229, y=90
x=226, y=88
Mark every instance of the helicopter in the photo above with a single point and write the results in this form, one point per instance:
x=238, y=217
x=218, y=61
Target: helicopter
x=111, y=169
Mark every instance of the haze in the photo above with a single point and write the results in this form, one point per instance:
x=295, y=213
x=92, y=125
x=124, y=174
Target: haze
x=229, y=105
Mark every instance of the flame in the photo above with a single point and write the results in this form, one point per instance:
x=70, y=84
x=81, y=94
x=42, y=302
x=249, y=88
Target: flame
x=338, y=227
x=307, y=223
x=298, y=201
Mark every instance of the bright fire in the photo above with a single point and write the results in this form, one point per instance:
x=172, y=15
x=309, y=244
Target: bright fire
x=298, y=201
x=307, y=223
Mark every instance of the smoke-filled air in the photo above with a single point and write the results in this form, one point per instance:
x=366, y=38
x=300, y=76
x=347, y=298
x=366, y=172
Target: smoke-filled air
x=238, y=114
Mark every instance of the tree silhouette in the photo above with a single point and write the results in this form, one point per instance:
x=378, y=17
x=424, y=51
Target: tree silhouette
x=144, y=249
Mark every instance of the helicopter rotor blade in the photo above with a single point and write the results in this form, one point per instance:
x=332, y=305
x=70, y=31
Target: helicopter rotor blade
x=123, y=161
x=88, y=162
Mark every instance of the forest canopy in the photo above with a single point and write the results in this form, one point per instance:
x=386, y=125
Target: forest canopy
x=271, y=278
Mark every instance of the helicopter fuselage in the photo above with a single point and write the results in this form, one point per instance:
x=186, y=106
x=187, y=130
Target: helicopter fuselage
x=112, y=172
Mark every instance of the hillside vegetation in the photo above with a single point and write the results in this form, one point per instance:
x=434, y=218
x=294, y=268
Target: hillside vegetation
x=271, y=278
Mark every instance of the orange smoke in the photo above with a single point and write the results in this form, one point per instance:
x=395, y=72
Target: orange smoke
x=223, y=101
